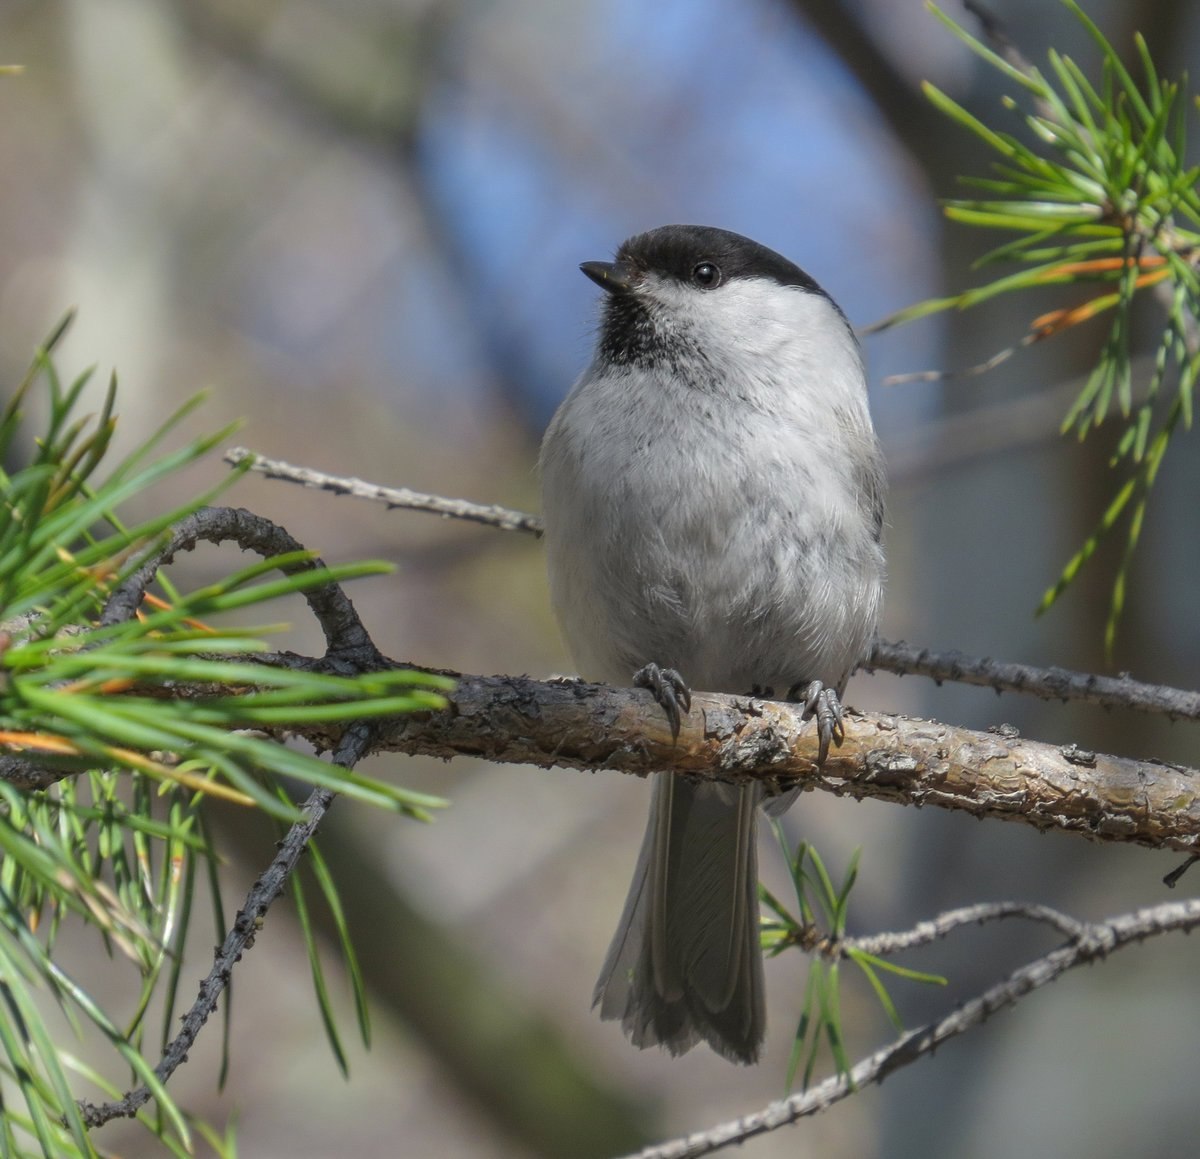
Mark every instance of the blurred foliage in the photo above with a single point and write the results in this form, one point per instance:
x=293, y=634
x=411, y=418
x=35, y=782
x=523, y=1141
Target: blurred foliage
x=1102, y=197
x=119, y=842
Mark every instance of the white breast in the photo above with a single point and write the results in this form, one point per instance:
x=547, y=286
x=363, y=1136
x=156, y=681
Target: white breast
x=716, y=513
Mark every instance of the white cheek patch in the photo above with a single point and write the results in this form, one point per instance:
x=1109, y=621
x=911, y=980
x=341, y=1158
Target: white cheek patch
x=756, y=336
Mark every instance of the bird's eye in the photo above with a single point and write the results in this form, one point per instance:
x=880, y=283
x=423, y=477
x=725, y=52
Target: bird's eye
x=706, y=276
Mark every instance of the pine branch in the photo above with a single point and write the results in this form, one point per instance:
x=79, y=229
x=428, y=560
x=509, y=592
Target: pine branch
x=1095, y=940
x=345, y=636
x=354, y=745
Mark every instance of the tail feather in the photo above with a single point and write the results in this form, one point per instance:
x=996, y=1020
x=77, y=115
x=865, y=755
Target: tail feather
x=685, y=964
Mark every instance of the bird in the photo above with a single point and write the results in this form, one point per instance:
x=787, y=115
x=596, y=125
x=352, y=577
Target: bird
x=713, y=505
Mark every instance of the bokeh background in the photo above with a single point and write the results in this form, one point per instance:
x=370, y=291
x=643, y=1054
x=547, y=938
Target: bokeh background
x=356, y=224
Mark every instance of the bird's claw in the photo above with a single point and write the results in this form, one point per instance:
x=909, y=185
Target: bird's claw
x=669, y=689
x=822, y=703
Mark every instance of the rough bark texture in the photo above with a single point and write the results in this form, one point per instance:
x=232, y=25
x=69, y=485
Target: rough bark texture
x=884, y=756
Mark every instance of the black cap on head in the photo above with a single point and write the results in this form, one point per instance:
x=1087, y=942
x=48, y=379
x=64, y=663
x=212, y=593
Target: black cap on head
x=636, y=328
x=677, y=250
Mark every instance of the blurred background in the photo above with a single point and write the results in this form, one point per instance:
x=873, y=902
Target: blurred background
x=357, y=225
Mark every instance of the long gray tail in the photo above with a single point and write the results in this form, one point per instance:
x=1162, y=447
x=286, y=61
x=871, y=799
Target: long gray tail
x=685, y=963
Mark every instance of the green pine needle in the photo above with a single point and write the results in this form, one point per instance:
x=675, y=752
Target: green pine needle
x=121, y=843
x=1092, y=180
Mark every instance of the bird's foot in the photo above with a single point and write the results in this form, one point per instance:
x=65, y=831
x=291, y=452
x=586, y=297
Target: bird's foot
x=669, y=689
x=822, y=704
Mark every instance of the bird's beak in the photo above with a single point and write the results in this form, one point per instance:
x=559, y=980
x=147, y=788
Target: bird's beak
x=614, y=277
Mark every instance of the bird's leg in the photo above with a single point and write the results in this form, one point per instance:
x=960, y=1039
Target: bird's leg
x=821, y=702
x=669, y=689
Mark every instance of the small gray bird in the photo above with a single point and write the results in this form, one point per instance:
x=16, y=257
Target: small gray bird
x=712, y=490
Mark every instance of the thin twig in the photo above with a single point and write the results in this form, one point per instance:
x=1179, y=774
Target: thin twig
x=345, y=633
x=1095, y=940
x=501, y=517
x=883, y=945
x=241, y=935
x=1048, y=683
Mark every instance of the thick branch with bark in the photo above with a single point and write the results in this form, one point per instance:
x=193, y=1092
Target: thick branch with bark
x=884, y=757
